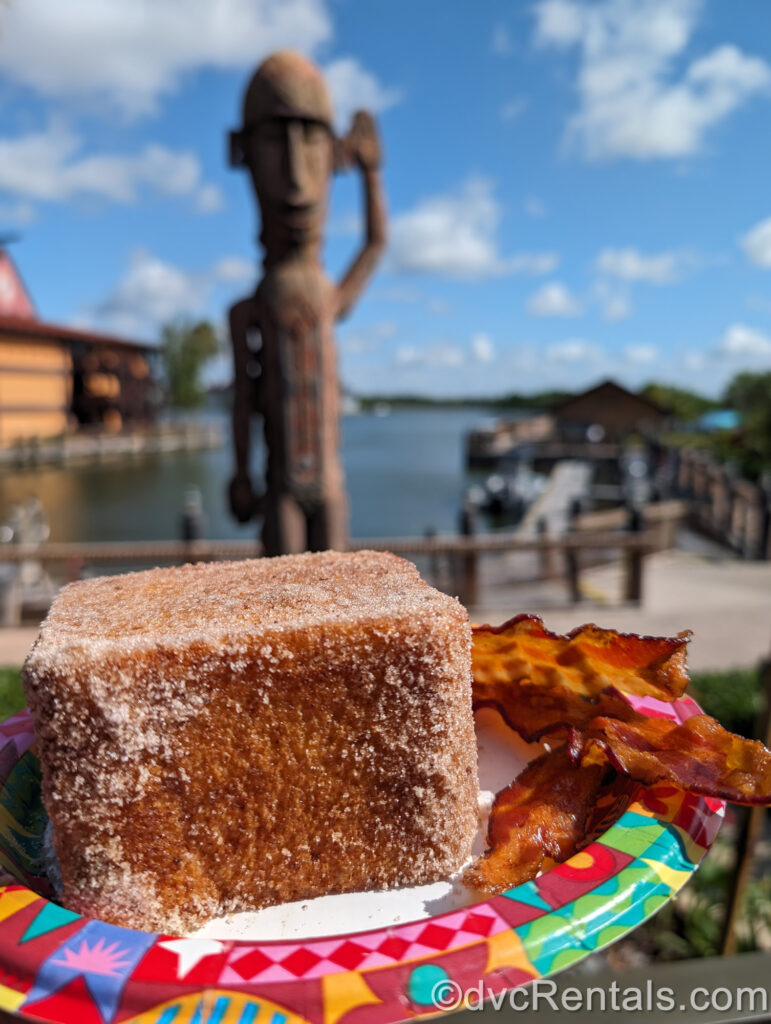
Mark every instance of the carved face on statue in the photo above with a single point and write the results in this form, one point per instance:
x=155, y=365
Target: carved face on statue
x=290, y=161
x=288, y=146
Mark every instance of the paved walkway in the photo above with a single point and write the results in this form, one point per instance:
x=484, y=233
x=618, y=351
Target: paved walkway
x=14, y=644
x=725, y=601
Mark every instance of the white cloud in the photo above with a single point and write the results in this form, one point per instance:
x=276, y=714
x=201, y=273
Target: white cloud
x=50, y=165
x=633, y=100
x=408, y=355
x=757, y=244
x=574, y=350
x=501, y=44
x=559, y=23
x=613, y=301
x=482, y=348
x=17, y=214
x=439, y=307
x=616, y=308
x=366, y=339
x=402, y=293
x=130, y=53
x=457, y=234
x=641, y=355
x=573, y=364
x=153, y=292
x=234, y=270
x=357, y=345
x=630, y=264
x=513, y=107
x=439, y=355
x=436, y=305
x=354, y=88
x=554, y=299
x=742, y=342
x=694, y=361
x=530, y=263
x=535, y=207
x=384, y=329
x=209, y=199
x=150, y=293
x=346, y=225
x=445, y=355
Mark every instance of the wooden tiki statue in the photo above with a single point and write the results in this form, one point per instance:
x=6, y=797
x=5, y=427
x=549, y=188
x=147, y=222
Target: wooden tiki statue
x=283, y=334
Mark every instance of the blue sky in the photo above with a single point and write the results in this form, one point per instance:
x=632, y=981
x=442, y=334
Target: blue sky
x=576, y=189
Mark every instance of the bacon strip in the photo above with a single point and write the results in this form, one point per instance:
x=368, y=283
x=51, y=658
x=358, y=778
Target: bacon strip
x=699, y=755
x=541, y=817
x=540, y=681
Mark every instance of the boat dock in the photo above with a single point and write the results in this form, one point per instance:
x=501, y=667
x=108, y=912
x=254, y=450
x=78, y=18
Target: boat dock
x=568, y=485
x=88, y=446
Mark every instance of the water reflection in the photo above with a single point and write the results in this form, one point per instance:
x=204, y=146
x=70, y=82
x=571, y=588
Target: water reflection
x=404, y=473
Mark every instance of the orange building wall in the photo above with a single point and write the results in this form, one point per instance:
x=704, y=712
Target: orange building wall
x=35, y=389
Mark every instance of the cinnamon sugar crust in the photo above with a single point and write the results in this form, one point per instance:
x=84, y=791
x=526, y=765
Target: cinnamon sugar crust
x=222, y=737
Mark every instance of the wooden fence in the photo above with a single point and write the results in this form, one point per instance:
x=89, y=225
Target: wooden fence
x=733, y=511
x=558, y=556
x=662, y=519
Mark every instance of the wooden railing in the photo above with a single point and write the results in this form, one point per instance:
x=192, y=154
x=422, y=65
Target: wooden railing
x=662, y=519
x=734, y=511
x=558, y=556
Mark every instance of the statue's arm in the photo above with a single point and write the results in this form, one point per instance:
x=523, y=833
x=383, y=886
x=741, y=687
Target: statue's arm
x=243, y=316
x=363, y=148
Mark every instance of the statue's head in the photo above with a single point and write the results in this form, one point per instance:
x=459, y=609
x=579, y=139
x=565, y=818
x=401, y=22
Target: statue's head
x=287, y=144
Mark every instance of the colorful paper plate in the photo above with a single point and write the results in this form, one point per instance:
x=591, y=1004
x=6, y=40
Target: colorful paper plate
x=58, y=966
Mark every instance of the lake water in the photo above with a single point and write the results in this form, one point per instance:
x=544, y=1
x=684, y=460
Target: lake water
x=405, y=473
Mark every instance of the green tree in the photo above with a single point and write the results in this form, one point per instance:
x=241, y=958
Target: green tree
x=186, y=347
x=685, y=406
x=750, y=395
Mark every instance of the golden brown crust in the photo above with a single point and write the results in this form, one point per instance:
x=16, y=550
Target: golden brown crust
x=223, y=737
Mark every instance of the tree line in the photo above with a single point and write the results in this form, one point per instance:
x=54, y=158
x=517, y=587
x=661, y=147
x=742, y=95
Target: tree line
x=187, y=346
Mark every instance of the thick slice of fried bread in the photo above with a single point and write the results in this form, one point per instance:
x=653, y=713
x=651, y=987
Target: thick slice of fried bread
x=223, y=737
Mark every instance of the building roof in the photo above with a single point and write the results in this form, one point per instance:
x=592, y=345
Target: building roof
x=37, y=330
x=604, y=388
x=15, y=299
x=18, y=315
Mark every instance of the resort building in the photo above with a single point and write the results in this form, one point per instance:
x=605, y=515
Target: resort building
x=607, y=412
x=56, y=380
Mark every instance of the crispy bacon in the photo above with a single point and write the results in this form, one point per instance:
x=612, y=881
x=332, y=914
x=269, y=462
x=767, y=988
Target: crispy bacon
x=699, y=755
x=541, y=682
x=540, y=818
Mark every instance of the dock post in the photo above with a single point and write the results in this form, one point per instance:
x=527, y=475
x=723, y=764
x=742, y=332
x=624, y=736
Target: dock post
x=192, y=521
x=764, y=524
x=546, y=551
x=572, y=570
x=433, y=559
x=470, y=578
x=634, y=559
x=469, y=559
